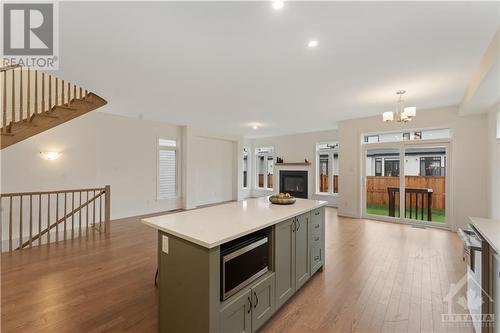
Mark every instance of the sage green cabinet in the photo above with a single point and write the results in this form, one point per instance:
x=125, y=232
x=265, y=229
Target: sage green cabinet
x=263, y=301
x=284, y=261
x=248, y=310
x=317, y=237
x=236, y=316
x=302, y=254
x=292, y=257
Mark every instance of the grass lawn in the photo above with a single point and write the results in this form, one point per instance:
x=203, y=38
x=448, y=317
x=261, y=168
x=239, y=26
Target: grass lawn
x=437, y=215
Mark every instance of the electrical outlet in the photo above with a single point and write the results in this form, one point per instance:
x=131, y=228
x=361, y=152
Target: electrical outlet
x=164, y=244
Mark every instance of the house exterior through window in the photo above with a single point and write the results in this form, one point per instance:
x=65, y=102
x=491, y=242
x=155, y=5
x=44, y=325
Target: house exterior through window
x=264, y=159
x=167, y=169
x=327, y=158
x=419, y=162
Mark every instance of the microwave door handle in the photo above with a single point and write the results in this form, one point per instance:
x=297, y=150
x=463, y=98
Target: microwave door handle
x=245, y=249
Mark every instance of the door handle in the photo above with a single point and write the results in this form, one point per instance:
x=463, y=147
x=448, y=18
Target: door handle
x=299, y=225
x=316, y=213
x=250, y=304
x=256, y=300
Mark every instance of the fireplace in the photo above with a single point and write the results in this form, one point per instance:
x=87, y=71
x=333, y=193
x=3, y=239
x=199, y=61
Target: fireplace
x=294, y=182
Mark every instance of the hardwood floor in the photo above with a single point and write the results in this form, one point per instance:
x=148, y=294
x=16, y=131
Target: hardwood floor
x=378, y=277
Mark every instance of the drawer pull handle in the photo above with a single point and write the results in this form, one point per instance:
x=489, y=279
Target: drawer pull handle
x=316, y=258
x=317, y=213
x=316, y=226
x=316, y=239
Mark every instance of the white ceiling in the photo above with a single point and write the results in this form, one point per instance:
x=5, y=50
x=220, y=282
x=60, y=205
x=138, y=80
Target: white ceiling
x=227, y=65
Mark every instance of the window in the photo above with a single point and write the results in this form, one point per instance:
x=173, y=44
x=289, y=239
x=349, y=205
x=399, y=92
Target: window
x=391, y=168
x=432, y=166
x=371, y=139
x=167, y=168
x=245, y=167
x=327, y=157
x=265, y=167
x=378, y=167
x=431, y=134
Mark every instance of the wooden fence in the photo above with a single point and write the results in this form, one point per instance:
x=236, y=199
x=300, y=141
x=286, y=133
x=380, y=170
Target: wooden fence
x=323, y=186
x=376, y=189
x=269, y=181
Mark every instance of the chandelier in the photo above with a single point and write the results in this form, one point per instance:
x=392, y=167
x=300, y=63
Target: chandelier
x=402, y=114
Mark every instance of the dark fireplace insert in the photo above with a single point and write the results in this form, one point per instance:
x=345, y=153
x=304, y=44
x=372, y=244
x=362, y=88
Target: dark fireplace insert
x=294, y=182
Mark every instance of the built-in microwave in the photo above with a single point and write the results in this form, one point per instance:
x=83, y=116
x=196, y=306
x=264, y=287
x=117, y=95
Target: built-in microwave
x=241, y=262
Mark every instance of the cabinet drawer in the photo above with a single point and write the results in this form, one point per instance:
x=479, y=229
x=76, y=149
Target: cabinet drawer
x=316, y=229
x=317, y=254
x=316, y=240
x=317, y=215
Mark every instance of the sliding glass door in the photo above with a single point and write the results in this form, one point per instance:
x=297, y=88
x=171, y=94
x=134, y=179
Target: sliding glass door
x=412, y=189
x=382, y=182
x=425, y=183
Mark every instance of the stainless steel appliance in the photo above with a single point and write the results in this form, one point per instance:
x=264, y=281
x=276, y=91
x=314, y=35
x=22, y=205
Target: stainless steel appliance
x=476, y=254
x=243, y=261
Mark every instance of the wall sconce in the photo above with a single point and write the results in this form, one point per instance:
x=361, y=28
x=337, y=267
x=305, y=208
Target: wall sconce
x=50, y=155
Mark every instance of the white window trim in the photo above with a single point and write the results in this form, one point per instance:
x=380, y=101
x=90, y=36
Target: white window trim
x=330, y=153
x=177, y=168
x=256, y=184
x=498, y=127
x=248, y=169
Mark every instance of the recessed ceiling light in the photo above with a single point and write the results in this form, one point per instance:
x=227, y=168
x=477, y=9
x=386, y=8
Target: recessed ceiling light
x=255, y=127
x=312, y=43
x=277, y=5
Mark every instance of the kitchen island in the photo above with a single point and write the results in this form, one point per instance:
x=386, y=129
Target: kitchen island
x=229, y=268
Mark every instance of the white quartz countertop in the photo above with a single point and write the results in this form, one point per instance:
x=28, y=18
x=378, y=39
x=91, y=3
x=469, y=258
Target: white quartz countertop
x=489, y=229
x=215, y=225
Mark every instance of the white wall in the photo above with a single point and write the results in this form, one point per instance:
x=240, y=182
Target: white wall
x=214, y=171
x=468, y=155
x=494, y=165
x=97, y=149
x=211, y=159
x=295, y=148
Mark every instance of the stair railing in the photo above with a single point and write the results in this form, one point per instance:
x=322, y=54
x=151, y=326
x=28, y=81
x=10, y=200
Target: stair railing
x=26, y=93
x=35, y=218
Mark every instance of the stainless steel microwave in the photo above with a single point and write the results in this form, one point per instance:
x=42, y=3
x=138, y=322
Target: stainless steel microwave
x=242, y=262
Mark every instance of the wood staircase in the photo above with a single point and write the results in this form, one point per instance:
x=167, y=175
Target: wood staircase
x=32, y=102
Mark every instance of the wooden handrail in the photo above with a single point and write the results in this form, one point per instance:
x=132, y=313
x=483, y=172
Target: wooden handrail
x=8, y=68
x=15, y=194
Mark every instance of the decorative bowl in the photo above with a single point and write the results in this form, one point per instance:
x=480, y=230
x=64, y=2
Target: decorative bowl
x=281, y=201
